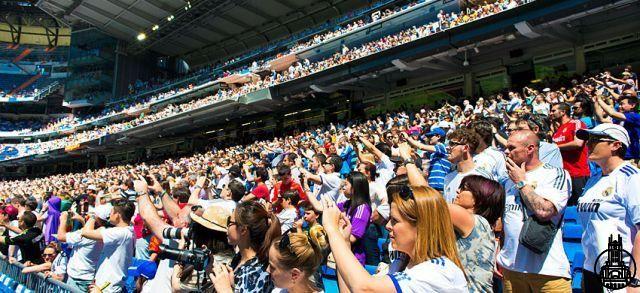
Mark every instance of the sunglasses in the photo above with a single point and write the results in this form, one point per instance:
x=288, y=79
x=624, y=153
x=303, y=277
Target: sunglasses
x=230, y=223
x=594, y=140
x=405, y=193
x=455, y=143
x=48, y=254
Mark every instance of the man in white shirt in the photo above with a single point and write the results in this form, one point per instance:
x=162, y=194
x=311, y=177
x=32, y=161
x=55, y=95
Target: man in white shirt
x=85, y=252
x=462, y=143
x=329, y=181
x=119, y=242
x=382, y=152
x=486, y=156
x=541, y=191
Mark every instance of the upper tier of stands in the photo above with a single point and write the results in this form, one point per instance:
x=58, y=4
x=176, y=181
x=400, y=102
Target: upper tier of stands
x=253, y=83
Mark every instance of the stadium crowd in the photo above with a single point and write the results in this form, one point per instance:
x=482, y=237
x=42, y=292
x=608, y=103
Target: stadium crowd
x=297, y=70
x=449, y=198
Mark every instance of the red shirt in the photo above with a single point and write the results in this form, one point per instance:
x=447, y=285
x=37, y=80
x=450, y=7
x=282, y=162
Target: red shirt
x=574, y=160
x=261, y=191
x=280, y=188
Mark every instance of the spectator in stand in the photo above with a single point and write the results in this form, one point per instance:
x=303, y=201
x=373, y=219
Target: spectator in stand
x=289, y=212
x=261, y=190
x=28, y=238
x=609, y=210
x=294, y=260
x=284, y=184
x=329, y=181
x=417, y=214
x=439, y=166
x=85, y=254
x=486, y=156
x=573, y=149
x=538, y=190
x=252, y=230
x=118, y=246
x=462, y=143
x=549, y=152
x=49, y=254
x=474, y=214
x=626, y=116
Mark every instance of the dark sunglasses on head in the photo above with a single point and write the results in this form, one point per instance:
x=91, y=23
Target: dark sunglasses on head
x=405, y=193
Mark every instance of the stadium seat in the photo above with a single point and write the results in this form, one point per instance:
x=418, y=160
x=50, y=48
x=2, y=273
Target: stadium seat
x=381, y=242
x=571, y=249
x=578, y=261
x=571, y=215
x=328, y=272
x=371, y=269
x=572, y=232
x=576, y=282
x=330, y=285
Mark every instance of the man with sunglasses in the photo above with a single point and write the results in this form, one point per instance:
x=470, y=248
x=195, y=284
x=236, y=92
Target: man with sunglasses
x=329, y=181
x=610, y=206
x=461, y=147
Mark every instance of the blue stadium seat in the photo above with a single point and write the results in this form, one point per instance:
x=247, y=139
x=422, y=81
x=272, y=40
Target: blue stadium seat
x=371, y=269
x=571, y=249
x=328, y=272
x=572, y=232
x=576, y=282
x=578, y=261
x=381, y=242
x=330, y=285
x=571, y=215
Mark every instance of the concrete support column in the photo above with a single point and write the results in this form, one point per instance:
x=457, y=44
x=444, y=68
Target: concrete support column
x=468, y=84
x=581, y=62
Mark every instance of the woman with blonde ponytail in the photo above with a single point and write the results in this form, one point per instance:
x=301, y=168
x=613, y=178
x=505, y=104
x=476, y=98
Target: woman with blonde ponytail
x=294, y=260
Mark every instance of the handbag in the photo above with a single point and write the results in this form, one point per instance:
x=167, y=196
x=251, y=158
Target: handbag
x=537, y=235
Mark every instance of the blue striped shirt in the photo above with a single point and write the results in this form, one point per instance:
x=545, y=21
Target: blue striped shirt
x=439, y=167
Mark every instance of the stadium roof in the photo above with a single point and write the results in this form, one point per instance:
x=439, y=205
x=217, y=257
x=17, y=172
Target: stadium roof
x=199, y=29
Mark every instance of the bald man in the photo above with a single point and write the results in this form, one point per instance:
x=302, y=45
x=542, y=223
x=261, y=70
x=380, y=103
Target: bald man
x=540, y=191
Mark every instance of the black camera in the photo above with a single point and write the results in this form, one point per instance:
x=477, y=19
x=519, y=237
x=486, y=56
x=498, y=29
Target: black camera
x=198, y=258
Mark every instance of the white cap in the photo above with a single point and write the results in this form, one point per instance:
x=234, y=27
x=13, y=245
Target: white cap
x=546, y=90
x=92, y=187
x=103, y=211
x=610, y=130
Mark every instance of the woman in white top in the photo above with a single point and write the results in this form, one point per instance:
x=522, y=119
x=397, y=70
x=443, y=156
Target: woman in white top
x=420, y=226
x=609, y=208
x=294, y=260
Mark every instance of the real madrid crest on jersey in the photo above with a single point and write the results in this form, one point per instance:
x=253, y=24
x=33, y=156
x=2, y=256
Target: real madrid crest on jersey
x=607, y=192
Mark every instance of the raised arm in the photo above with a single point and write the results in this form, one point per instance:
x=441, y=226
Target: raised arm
x=417, y=144
x=90, y=232
x=148, y=211
x=415, y=176
x=610, y=110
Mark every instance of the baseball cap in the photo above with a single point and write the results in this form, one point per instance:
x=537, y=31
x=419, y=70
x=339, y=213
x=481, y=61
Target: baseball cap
x=546, y=90
x=103, y=211
x=92, y=187
x=610, y=130
x=213, y=218
x=436, y=131
x=11, y=211
x=146, y=269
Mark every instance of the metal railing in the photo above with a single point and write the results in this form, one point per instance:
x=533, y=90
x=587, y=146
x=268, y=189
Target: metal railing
x=34, y=281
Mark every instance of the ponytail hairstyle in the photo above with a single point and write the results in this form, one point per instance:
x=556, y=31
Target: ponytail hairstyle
x=262, y=226
x=299, y=251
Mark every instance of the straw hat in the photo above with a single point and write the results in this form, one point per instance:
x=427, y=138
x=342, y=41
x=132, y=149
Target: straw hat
x=214, y=218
